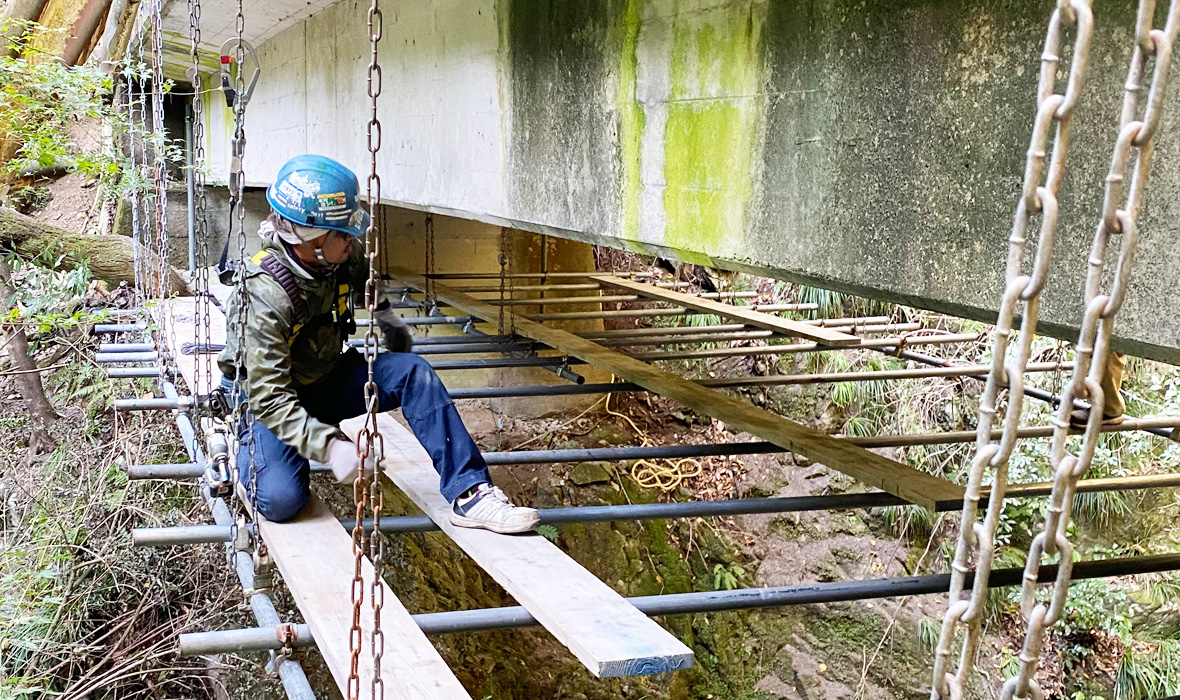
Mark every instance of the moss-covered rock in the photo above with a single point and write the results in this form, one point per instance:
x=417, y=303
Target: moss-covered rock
x=587, y=473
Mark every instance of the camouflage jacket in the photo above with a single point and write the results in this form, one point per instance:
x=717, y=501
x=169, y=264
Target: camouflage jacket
x=281, y=358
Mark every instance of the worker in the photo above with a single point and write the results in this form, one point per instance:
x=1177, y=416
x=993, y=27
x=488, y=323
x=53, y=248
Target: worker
x=301, y=384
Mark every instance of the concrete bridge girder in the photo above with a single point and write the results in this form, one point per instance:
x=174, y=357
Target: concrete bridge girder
x=873, y=148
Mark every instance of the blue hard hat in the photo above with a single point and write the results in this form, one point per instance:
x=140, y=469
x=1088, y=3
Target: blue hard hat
x=319, y=192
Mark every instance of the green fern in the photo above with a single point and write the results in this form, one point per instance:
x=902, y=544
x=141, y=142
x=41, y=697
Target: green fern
x=831, y=304
x=549, y=532
x=727, y=578
x=1151, y=674
x=844, y=394
x=859, y=426
x=1163, y=592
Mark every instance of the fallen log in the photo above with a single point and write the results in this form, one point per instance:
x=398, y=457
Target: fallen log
x=109, y=258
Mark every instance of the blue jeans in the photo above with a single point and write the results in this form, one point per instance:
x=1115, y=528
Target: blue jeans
x=403, y=380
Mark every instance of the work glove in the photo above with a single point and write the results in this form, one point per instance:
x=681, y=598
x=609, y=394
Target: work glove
x=397, y=334
x=344, y=462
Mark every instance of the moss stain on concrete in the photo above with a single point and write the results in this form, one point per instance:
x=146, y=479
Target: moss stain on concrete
x=711, y=132
x=631, y=118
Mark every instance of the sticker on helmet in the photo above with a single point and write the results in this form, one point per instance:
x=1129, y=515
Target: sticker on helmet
x=290, y=196
x=357, y=217
x=332, y=201
x=306, y=186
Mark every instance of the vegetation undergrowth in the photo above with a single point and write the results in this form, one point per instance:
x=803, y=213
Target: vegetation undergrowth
x=1118, y=638
x=83, y=613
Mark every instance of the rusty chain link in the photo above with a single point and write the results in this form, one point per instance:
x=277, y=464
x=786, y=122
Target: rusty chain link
x=1094, y=338
x=370, y=442
x=429, y=301
x=976, y=547
x=507, y=321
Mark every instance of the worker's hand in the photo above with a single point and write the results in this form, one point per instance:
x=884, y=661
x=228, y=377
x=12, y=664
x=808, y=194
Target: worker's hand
x=397, y=335
x=345, y=464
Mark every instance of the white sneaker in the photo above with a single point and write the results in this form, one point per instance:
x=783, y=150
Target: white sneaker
x=490, y=509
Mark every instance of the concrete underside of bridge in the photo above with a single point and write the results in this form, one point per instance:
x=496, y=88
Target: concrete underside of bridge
x=870, y=147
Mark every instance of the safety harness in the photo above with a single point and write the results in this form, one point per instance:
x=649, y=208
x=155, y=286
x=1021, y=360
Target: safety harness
x=341, y=314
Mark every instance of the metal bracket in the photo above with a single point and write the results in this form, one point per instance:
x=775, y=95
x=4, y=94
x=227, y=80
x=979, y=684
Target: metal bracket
x=264, y=568
x=243, y=542
x=287, y=634
x=218, y=404
x=217, y=472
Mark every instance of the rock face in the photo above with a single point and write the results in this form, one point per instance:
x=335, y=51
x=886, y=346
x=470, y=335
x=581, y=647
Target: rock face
x=587, y=473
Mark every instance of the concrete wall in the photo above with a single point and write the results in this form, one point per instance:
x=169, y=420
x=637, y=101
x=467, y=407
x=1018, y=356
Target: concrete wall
x=468, y=247
x=871, y=147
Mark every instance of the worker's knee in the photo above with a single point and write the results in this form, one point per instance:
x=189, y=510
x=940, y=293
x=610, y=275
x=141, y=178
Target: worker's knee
x=410, y=372
x=415, y=364
x=413, y=383
x=278, y=507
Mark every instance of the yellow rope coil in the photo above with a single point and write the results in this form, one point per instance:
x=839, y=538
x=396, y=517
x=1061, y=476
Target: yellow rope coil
x=663, y=474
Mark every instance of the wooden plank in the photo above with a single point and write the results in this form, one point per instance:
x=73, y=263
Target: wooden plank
x=184, y=315
x=315, y=557
x=605, y=632
x=870, y=468
x=824, y=336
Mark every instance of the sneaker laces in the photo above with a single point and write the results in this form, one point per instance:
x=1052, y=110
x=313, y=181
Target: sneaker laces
x=497, y=502
x=484, y=492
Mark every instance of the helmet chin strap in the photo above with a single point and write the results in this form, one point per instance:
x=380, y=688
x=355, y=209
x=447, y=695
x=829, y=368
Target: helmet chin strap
x=319, y=255
x=319, y=252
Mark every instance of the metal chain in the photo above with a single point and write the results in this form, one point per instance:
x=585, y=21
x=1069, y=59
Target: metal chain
x=1094, y=338
x=133, y=171
x=976, y=545
x=201, y=328
x=501, y=328
x=428, y=291
x=145, y=244
x=167, y=344
x=237, y=204
x=370, y=441
x=509, y=251
x=137, y=126
x=152, y=163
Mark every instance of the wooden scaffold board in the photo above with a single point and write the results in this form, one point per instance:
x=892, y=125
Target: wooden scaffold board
x=770, y=322
x=868, y=467
x=315, y=556
x=605, y=632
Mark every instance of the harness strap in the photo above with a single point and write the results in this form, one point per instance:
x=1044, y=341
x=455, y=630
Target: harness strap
x=341, y=313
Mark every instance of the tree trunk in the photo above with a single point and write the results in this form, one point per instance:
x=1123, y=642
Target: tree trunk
x=18, y=9
x=110, y=258
x=29, y=380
